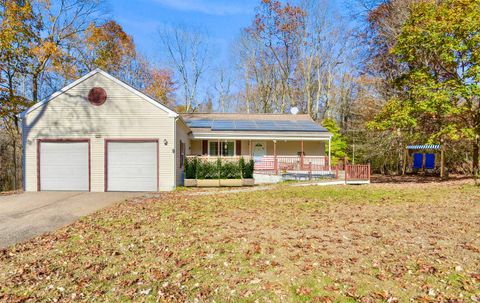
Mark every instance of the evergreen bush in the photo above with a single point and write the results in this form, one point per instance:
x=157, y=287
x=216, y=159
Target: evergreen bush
x=207, y=170
x=230, y=170
x=198, y=169
x=191, y=168
x=248, y=169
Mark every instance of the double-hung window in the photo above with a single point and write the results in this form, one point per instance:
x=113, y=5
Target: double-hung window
x=227, y=148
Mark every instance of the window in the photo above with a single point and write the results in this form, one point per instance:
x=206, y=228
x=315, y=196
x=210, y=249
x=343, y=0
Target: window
x=213, y=148
x=227, y=148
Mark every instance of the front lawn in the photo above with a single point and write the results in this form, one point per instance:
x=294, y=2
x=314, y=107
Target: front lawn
x=373, y=243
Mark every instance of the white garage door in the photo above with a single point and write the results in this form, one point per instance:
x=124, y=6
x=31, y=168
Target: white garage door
x=64, y=166
x=132, y=166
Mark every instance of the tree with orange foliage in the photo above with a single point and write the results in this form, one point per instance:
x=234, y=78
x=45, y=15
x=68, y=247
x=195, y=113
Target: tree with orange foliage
x=108, y=47
x=159, y=84
x=17, y=25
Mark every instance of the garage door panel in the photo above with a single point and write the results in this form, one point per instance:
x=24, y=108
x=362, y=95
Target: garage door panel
x=132, y=166
x=119, y=184
x=64, y=166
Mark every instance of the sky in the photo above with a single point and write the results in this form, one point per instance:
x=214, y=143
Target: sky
x=221, y=19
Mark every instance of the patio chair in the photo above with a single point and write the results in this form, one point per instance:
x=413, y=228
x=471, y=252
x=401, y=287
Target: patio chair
x=417, y=162
x=430, y=162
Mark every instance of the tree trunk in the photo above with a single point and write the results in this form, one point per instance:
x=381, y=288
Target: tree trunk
x=14, y=163
x=35, y=88
x=475, y=165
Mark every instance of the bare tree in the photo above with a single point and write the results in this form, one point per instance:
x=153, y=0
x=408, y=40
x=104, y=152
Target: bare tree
x=258, y=73
x=187, y=50
x=223, y=87
x=325, y=50
x=62, y=21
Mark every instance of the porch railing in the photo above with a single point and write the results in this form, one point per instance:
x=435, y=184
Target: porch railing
x=298, y=167
x=266, y=163
x=279, y=164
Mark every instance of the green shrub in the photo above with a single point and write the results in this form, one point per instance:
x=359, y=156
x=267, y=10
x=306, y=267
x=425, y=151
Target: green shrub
x=248, y=169
x=191, y=168
x=207, y=170
x=198, y=169
x=241, y=164
x=218, y=165
x=230, y=170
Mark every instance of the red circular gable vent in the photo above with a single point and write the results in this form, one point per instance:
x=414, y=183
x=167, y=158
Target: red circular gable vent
x=97, y=96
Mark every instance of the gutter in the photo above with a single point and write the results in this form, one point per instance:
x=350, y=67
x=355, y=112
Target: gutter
x=230, y=136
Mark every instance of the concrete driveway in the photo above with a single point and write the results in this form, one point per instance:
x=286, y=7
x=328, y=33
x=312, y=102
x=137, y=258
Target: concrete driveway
x=26, y=215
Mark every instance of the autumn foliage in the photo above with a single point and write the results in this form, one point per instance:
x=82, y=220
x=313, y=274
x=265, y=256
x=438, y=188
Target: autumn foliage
x=44, y=45
x=110, y=47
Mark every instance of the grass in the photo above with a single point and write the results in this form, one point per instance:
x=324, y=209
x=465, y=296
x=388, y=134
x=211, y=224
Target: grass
x=375, y=243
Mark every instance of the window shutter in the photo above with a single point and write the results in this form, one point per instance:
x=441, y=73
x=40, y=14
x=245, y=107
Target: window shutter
x=205, y=147
x=238, y=148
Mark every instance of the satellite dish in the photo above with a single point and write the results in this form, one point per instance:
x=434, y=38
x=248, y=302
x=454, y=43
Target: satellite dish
x=294, y=110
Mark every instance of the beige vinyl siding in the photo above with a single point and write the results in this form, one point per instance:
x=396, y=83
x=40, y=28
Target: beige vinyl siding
x=292, y=148
x=182, y=136
x=123, y=115
x=245, y=148
x=195, y=147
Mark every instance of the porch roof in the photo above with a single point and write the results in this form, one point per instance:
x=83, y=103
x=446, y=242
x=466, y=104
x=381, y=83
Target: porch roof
x=254, y=126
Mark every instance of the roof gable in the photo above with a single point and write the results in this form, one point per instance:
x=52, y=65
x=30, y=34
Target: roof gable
x=148, y=99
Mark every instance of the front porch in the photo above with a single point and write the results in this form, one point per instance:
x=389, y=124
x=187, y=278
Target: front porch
x=287, y=158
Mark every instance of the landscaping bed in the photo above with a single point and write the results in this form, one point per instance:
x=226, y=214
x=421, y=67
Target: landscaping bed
x=218, y=173
x=372, y=243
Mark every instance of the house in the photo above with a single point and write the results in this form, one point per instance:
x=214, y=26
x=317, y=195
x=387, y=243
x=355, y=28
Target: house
x=100, y=134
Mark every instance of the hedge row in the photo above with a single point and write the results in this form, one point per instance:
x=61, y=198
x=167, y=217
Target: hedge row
x=198, y=169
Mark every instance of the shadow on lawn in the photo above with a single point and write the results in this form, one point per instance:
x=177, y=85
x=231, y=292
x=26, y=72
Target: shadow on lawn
x=417, y=178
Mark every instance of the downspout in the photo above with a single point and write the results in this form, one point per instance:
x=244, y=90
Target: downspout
x=174, y=150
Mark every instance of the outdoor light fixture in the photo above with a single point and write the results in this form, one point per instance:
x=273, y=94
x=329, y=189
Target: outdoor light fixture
x=165, y=142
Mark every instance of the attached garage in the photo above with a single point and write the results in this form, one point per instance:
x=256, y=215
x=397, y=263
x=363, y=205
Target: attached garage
x=63, y=165
x=131, y=165
x=100, y=134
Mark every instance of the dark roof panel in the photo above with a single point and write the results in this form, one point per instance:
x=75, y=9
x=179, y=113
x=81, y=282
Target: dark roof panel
x=255, y=125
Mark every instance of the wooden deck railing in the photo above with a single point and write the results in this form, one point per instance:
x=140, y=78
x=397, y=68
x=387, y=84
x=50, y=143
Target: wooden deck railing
x=357, y=172
x=275, y=165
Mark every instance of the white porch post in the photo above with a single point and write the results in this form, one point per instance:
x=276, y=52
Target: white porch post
x=302, y=154
x=329, y=154
x=275, y=161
